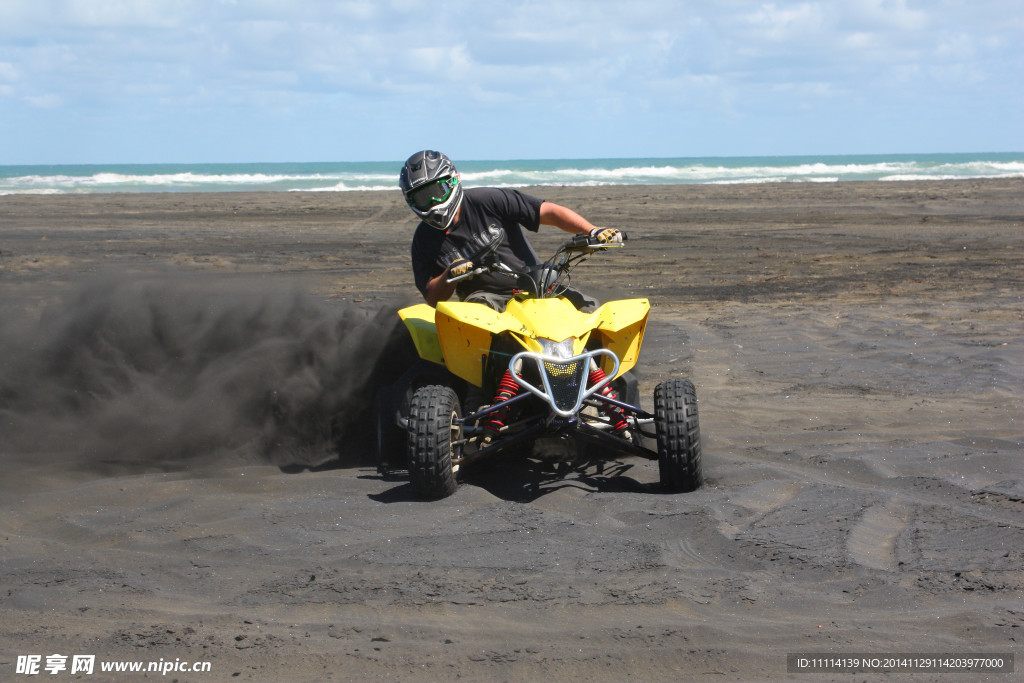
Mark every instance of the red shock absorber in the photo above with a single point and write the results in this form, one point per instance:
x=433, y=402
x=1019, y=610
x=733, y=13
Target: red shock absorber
x=507, y=388
x=616, y=416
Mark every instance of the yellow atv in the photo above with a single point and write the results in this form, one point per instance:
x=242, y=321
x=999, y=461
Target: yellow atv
x=538, y=374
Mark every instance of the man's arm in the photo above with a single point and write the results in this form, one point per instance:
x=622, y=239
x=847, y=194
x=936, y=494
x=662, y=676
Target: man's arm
x=565, y=218
x=439, y=289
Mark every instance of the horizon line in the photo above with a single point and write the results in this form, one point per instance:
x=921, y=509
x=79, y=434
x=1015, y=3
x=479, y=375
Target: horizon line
x=519, y=159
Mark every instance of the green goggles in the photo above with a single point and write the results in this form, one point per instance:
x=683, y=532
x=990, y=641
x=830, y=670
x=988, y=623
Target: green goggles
x=426, y=197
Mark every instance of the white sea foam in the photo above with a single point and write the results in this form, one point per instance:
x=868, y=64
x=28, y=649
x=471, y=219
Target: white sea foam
x=740, y=174
x=343, y=187
x=31, y=191
x=375, y=177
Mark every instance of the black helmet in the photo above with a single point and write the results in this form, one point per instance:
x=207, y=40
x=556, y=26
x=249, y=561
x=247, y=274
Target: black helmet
x=432, y=188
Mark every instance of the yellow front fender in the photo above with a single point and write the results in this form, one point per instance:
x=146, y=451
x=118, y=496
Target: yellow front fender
x=419, y=320
x=621, y=330
x=466, y=331
x=459, y=334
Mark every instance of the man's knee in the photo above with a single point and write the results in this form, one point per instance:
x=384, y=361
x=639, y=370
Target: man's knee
x=581, y=301
x=496, y=301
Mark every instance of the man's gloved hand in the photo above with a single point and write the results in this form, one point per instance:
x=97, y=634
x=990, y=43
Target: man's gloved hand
x=607, y=235
x=460, y=267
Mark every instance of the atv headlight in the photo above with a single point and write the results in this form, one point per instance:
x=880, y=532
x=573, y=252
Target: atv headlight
x=562, y=349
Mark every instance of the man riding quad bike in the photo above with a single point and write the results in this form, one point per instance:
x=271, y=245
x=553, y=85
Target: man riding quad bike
x=539, y=372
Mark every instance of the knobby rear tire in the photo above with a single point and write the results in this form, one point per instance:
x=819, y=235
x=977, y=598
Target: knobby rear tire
x=678, y=429
x=432, y=431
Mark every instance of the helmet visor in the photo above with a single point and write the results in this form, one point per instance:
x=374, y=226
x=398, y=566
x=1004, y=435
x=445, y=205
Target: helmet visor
x=426, y=197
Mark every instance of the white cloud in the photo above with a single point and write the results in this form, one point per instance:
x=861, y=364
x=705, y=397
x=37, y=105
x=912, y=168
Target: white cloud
x=587, y=49
x=316, y=63
x=884, y=15
x=48, y=101
x=118, y=14
x=8, y=72
x=778, y=24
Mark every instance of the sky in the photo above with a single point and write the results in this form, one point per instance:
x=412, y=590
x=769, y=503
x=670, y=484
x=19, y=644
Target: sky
x=194, y=81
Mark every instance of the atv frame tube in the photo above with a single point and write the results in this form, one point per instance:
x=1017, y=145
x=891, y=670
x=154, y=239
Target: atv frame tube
x=544, y=368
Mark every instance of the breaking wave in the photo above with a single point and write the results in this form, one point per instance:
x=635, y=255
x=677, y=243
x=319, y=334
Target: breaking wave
x=381, y=176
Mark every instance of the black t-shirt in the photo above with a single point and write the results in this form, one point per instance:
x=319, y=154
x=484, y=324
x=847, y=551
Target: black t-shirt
x=434, y=250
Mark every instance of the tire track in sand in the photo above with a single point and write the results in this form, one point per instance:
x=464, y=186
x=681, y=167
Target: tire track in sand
x=872, y=542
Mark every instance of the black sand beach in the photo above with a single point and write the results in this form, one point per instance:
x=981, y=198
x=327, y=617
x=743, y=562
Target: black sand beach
x=176, y=483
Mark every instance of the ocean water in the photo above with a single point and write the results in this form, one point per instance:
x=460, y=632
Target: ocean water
x=375, y=176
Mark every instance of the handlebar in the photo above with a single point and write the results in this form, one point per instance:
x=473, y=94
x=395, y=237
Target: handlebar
x=468, y=274
x=578, y=243
x=480, y=270
x=588, y=240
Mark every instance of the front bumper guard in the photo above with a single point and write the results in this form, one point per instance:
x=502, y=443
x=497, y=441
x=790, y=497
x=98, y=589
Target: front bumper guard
x=564, y=380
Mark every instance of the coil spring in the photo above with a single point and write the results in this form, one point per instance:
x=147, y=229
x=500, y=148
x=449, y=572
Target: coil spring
x=507, y=388
x=615, y=414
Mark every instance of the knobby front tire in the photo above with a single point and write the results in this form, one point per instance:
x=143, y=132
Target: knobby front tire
x=678, y=429
x=431, y=436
